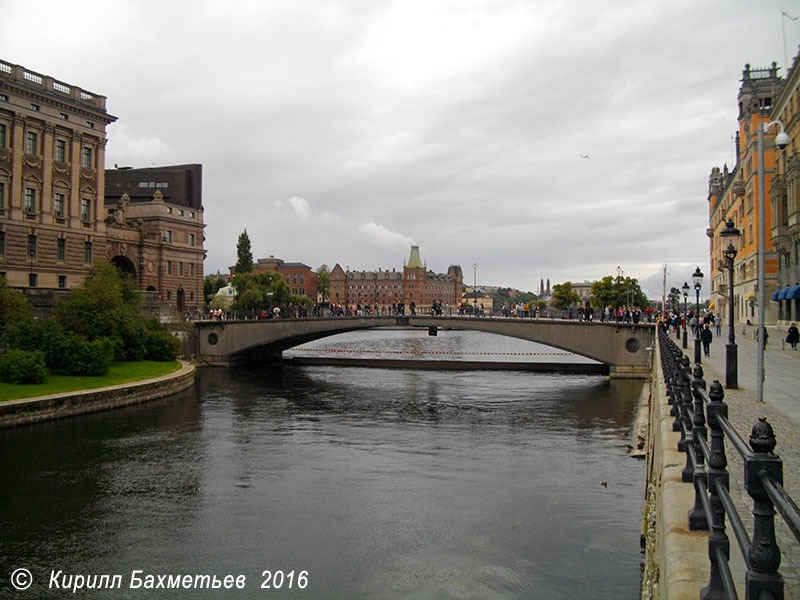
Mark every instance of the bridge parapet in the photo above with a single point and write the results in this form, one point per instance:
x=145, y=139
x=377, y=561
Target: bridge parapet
x=626, y=348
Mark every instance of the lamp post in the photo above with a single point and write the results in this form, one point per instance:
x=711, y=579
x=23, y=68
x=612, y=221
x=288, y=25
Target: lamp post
x=685, y=289
x=731, y=233
x=474, y=289
x=697, y=277
x=781, y=140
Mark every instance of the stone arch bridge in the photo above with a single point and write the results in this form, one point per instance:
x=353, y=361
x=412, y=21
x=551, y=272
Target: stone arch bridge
x=624, y=348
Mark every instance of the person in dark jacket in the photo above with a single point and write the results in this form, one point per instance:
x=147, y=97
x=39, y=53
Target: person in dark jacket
x=793, y=336
x=705, y=337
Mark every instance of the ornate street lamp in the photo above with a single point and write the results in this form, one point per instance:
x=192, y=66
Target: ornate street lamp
x=731, y=234
x=685, y=289
x=781, y=141
x=697, y=277
x=474, y=289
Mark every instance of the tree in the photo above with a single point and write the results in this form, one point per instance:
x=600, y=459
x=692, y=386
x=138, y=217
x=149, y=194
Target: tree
x=211, y=285
x=13, y=307
x=618, y=291
x=324, y=281
x=244, y=256
x=259, y=291
x=564, y=296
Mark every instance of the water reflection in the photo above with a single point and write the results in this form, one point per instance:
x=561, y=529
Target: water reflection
x=380, y=483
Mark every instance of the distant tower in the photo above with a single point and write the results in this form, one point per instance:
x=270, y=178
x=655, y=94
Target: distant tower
x=548, y=287
x=541, y=286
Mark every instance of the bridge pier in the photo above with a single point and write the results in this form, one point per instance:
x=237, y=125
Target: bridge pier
x=628, y=372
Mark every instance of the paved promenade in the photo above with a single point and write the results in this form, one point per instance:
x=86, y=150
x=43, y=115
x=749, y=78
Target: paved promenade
x=781, y=407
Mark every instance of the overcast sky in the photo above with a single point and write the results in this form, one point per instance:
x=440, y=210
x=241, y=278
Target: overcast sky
x=346, y=130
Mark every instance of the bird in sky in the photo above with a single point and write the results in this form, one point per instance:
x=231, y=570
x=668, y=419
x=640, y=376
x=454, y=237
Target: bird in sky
x=585, y=156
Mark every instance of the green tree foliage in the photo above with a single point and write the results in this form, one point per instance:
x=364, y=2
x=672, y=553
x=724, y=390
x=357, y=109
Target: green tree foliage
x=159, y=343
x=14, y=308
x=258, y=291
x=502, y=296
x=22, y=366
x=618, y=291
x=324, y=281
x=211, y=285
x=564, y=296
x=244, y=255
x=106, y=305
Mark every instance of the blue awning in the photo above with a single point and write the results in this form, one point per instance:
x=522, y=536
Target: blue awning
x=776, y=295
x=793, y=292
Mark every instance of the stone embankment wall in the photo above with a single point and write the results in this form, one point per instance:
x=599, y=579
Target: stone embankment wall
x=56, y=406
x=676, y=565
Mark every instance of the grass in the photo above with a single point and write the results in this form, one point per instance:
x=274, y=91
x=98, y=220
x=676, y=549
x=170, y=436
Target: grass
x=120, y=372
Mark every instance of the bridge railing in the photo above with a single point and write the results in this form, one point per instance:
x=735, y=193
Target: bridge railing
x=706, y=467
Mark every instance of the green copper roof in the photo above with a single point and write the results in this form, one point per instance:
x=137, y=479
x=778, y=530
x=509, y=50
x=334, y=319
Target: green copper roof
x=414, y=261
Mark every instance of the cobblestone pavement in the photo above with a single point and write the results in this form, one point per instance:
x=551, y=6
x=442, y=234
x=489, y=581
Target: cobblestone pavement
x=781, y=407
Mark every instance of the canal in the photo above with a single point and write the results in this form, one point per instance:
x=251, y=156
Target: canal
x=371, y=483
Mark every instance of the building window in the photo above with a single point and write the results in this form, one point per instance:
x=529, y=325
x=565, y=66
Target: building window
x=168, y=236
x=90, y=125
x=288, y=278
x=63, y=116
x=191, y=214
x=31, y=246
x=169, y=210
x=2, y=195
x=30, y=200
x=302, y=278
x=294, y=278
x=31, y=279
x=35, y=107
x=61, y=249
x=2, y=242
x=191, y=269
x=86, y=210
x=61, y=151
x=180, y=212
x=62, y=281
x=180, y=268
x=3, y=134
x=169, y=267
x=86, y=158
x=58, y=205
x=31, y=143
x=87, y=252
x=191, y=236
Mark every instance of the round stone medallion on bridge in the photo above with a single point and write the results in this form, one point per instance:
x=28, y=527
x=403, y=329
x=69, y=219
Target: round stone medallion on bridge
x=213, y=338
x=632, y=345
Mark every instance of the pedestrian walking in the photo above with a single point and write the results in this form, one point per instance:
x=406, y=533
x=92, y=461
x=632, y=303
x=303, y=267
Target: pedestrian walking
x=793, y=336
x=705, y=337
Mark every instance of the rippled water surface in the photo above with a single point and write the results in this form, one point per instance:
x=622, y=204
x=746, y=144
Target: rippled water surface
x=380, y=483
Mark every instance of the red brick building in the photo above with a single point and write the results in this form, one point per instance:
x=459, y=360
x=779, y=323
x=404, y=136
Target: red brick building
x=298, y=276
x=386, y=288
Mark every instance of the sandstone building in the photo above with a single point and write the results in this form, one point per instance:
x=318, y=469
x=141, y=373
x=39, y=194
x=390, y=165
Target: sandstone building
x=60, y=210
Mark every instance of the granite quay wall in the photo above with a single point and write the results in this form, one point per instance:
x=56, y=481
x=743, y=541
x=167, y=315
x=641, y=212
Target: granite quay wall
x=57, y=406
x=676, y=562
x=676, y=559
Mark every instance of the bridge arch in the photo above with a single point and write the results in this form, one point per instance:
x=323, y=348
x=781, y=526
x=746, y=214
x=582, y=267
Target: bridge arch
x=624, y=348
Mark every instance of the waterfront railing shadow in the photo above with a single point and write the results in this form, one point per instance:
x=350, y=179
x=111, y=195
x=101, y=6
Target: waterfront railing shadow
x=697, y=411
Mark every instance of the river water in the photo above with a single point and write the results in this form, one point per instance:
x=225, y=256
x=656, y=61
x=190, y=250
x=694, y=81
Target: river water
x=354, y=482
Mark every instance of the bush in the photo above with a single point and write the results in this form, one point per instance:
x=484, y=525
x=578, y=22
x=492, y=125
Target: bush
x=22, y=366
x=159, y=343
x=85, y=357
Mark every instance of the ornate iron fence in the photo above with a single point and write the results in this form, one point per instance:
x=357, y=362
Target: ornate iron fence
x=697, y=411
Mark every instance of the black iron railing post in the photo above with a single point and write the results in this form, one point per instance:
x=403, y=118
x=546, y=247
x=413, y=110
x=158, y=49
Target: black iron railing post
x=718, y=542
x=765, y=556
x=697, y=472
